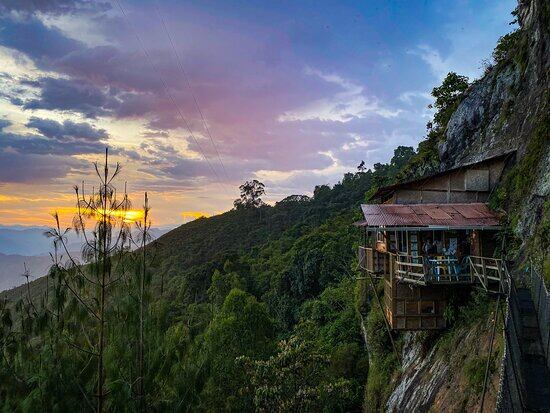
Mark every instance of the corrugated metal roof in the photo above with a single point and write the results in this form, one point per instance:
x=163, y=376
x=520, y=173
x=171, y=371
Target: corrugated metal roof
x=428, y=215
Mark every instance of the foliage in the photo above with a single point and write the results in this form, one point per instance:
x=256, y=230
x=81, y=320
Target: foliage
x=297, y=378
x=475, y=372
x=251, y=191
x=383, y=362
x=506, y=45
x=230, y=304
x=447, y=97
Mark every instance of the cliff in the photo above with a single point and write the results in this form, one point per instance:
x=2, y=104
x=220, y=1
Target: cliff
x=507, y=110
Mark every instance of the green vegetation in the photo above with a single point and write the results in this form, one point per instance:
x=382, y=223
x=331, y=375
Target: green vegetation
x=447, y=98
x=251, y=309
x=383, y=362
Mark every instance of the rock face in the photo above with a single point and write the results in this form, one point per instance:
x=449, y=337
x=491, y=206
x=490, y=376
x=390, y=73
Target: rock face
x=501, y=110
x=436, y=379
x=423, y=377
x=474, y=131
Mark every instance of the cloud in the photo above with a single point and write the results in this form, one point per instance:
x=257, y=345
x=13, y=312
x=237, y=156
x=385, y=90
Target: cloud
x=439, y=66
x=30, y=36
x=67, y=138
x=66, y=131
x=71, y=95
x=36, y=169
x=54, y=7
x=349, y=103
x=414, y=97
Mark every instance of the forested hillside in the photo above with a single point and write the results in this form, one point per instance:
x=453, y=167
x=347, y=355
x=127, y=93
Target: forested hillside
x=234, y=302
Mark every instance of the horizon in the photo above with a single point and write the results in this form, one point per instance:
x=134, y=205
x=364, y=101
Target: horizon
x=195, y=99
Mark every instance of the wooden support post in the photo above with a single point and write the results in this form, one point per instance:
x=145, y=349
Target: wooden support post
x=484, y=273
x=386, y=322
x=500, y=279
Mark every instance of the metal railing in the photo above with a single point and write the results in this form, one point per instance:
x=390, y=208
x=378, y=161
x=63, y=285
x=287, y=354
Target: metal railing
x=511, y=386
x=541, y=299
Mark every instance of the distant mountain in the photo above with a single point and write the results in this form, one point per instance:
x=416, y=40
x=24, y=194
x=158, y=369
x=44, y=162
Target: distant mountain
x=27, y=245
x=30, y=241
x=13, y=266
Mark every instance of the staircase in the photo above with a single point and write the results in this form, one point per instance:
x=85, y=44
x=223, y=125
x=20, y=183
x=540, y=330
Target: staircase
x=534, y=367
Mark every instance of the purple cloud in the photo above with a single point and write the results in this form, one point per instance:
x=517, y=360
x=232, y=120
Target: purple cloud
x=67, y=131
x=30, y=36
x=67, y=138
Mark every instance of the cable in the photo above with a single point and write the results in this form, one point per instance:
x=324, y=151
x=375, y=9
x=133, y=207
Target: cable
x=195, y=100
x=170, y=96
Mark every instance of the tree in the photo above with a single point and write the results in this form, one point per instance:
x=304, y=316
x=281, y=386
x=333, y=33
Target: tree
x=143, y=228
x=447, y=97
x=91, y=280
x=401, y=157
x=294, y=199
x=296, y=379
x=251, y=191
x=361, y=167
x=242, y=327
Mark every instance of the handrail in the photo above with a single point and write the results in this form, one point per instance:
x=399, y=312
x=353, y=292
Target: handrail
x=414, y=269
x=488, y=271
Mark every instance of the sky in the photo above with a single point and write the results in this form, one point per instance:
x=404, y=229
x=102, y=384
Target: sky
x=195, y=97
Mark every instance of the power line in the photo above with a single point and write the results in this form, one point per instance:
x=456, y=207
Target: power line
x=195, y=100
x=170, y=96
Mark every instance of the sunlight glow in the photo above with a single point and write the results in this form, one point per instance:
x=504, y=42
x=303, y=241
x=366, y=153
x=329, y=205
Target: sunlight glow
x=128, y=216
x=194, y=214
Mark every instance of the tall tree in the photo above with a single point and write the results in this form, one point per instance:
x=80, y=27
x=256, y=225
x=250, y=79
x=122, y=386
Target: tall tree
x=91, y=279
x=143, y=228
x=251, y=191
x=447, y=97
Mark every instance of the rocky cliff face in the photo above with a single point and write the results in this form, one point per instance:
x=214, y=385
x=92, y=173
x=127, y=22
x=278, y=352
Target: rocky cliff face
x=445, y=373
x=502, y=110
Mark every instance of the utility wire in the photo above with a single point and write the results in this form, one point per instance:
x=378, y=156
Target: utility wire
x=170, y=96
x=195, y=100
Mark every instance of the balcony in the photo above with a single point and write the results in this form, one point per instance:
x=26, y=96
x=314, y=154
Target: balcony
x=491, y=273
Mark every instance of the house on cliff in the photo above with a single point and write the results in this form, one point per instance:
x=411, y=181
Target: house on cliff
x=427, y=236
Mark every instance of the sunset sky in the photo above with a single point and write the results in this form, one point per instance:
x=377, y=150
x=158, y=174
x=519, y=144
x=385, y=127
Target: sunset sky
x=293, y=93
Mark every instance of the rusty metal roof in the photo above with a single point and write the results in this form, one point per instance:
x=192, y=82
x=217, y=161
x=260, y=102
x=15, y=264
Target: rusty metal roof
x=476, y=215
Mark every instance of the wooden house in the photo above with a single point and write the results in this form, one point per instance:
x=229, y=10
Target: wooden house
x=423, y=242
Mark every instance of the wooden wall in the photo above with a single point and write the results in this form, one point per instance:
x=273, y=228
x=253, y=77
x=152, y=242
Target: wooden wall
x=466, y=185
x=411, y=307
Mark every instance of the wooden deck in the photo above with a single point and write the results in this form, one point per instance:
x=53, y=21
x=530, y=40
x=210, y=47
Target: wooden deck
x=490, y=273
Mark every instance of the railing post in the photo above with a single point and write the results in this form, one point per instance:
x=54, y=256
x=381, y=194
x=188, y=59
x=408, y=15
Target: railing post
x=484, y=273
